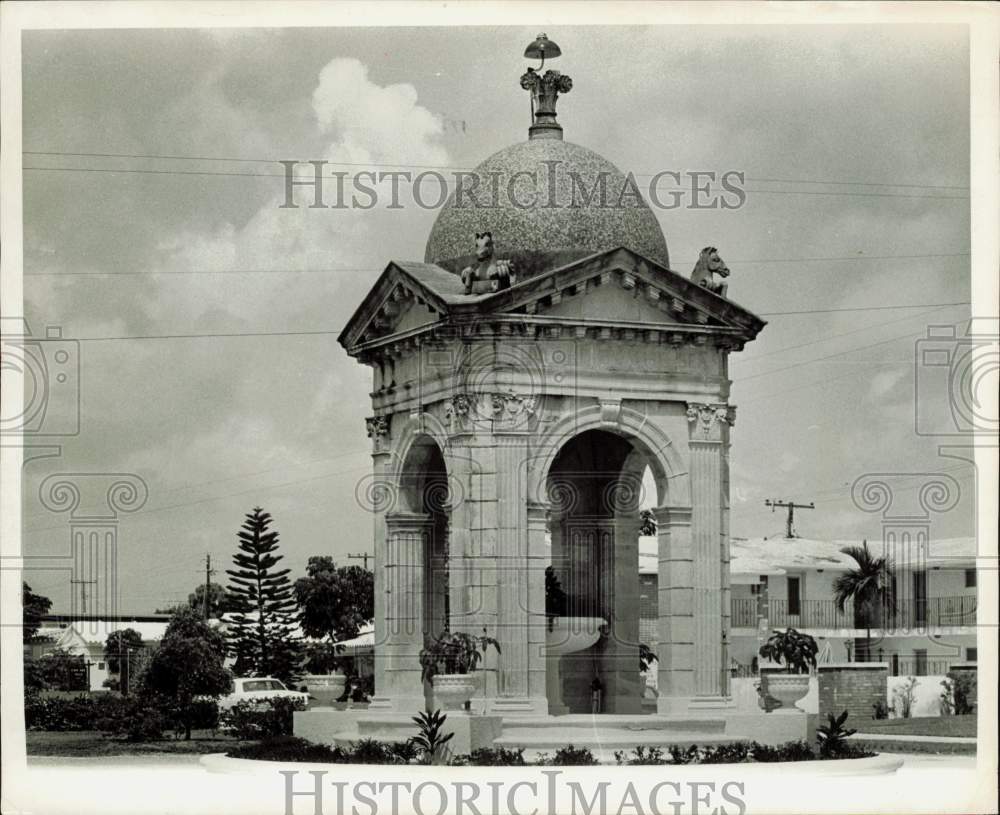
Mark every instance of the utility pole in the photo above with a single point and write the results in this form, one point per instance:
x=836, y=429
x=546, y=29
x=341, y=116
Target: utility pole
x=792, y=506
x=83, y=594
x=361, y=556
x=209, y=571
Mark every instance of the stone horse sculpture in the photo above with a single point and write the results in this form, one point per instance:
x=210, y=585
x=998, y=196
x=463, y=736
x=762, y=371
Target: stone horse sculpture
x=710, y=264
x=489, y=274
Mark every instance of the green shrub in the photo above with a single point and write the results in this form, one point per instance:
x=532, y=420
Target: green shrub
x=569, y=756
x=958, y=696
x=832, y=737
x=264, y=719
x=735, y=753
x=491, y=757
x=684, y=756
x=288, y=748
x=789, y=751
x=431, y=739
x=135, y=719
x=370, y=751
x=641, y=756
x=75, y=713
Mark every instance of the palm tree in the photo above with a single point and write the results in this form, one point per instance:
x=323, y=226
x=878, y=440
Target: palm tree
x=868, y=586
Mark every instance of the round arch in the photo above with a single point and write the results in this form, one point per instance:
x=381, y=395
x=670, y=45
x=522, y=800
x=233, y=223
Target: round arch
x=673, y=483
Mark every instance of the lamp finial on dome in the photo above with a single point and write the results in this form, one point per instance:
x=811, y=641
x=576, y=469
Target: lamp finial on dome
x=545, y=89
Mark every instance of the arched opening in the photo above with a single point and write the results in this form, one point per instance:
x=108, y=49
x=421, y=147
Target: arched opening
x=424, y=495
x=595, y=488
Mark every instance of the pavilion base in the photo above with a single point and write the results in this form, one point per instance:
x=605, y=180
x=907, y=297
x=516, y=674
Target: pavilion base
x=603, y=734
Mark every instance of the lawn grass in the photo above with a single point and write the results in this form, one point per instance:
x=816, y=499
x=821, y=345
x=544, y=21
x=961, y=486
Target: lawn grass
x=964, y=726
x=89, y=744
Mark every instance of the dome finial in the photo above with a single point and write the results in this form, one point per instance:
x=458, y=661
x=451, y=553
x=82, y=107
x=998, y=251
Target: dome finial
x=545, y=89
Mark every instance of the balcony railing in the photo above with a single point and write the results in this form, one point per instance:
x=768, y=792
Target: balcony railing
x=909, y=615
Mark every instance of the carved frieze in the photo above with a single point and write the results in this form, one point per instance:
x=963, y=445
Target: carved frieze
x=504, y=409
x=706, y=420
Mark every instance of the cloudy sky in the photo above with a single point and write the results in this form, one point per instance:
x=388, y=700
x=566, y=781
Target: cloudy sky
x=215, y=425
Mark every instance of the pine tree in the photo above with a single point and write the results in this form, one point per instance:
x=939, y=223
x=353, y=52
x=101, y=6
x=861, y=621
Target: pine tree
x=262, y=635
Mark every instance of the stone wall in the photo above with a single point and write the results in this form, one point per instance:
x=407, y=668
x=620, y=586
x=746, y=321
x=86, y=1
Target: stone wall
x=851, y=686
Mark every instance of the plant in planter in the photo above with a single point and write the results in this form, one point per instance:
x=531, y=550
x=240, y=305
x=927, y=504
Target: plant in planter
x=450, y=662
x=797, y=652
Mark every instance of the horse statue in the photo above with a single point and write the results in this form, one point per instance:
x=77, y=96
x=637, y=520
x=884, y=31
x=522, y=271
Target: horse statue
x=709, y=264
x=489, y=274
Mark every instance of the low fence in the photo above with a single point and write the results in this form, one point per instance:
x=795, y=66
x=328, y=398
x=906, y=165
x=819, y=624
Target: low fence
x=908, y=616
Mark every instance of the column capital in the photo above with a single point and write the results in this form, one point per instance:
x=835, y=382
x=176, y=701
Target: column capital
x=377, y=428
x=706, y=420
x=538, y=512
x=404, y=520
x=672, y=516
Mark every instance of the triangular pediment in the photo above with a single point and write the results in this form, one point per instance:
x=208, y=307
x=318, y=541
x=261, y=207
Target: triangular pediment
x=617, y=290
x=621, y=286
x=405, y=299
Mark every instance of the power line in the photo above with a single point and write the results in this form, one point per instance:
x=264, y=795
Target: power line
x=148, y=510
x=373, y=269
x=858, y=183
x=745, y=358
x=214, y=481
x=908, y=335
x=851, y=257
x=862, y=308
x=235, y=159
x=446, y=182
x=327, y=332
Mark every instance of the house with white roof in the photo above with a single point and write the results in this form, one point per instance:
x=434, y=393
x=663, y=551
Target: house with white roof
x=86, y=638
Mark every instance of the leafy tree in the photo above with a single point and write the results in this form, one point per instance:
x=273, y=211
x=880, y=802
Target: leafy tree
x=188, y=664
x=868, y=586
x=220, y=601
x=121, y=648
x=33, y=608
x=647, y=522
x=262, y=635
x=61, y=670
x=335, y=601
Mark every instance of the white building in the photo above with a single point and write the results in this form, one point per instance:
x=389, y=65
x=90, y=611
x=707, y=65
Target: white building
x=780, y=583
x=86, y=638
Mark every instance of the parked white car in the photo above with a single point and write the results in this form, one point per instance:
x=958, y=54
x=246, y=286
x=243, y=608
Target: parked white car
x=257, y=689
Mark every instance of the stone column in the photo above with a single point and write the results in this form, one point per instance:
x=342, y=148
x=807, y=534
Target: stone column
x=539, y=557
x=520, y=592
x=379, y=497
x=623, y=685
x=706, y=442
x=407, y=540
x=675, y=605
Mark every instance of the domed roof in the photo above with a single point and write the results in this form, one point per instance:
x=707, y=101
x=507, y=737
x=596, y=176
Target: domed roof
x=511, y=196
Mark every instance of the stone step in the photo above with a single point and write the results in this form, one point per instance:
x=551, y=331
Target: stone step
x=554, y=738
x=606, y=722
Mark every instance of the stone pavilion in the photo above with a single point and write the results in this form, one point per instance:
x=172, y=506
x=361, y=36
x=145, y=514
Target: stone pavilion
x=527, y=389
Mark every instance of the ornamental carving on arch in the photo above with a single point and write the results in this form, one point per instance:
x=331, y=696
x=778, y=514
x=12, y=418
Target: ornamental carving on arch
x=377, y=428
x=706, y=420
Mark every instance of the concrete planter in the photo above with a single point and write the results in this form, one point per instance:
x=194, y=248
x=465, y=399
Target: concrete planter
x=452, y=691
x=787, y=689
x=874, y=765
x=327, y=688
